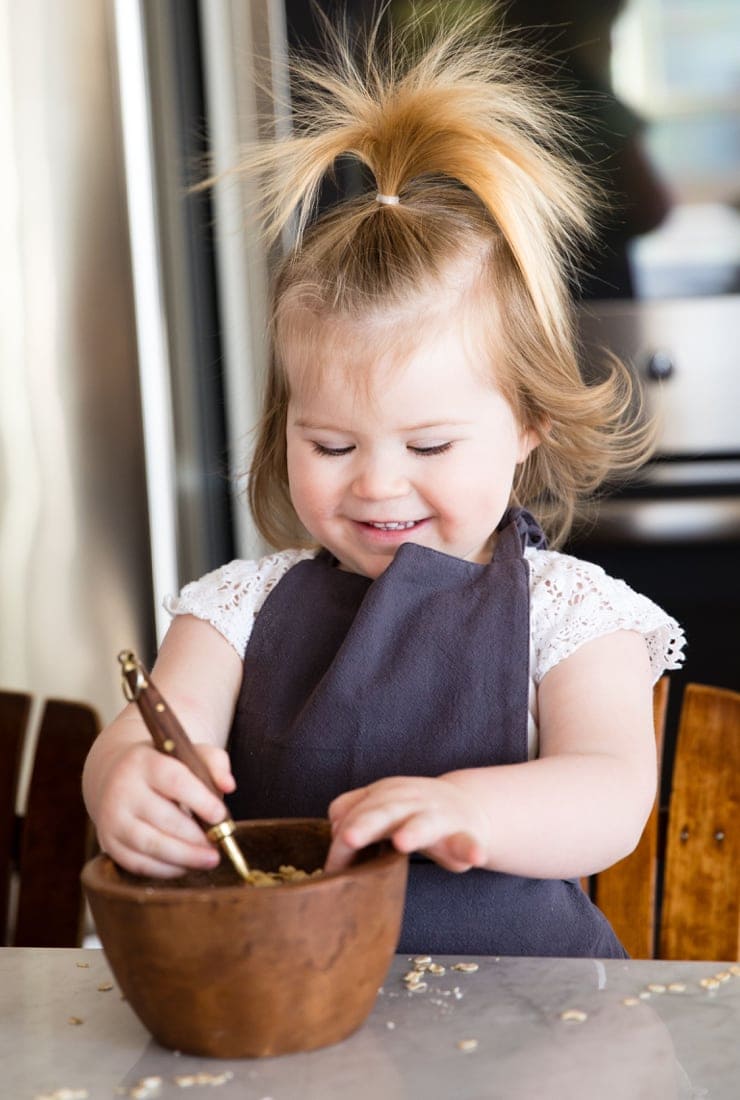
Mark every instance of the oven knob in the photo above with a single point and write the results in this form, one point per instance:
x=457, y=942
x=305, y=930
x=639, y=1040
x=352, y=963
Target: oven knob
x=660, y=366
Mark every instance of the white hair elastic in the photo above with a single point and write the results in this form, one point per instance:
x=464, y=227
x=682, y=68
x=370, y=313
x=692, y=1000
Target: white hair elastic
x=387, y=200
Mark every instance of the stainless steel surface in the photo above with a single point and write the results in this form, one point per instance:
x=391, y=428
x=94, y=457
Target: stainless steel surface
x=74, y=556
x=153, y=342
x=695, y=495
x=244, y=54
x=697, y=405
x=497, y=1033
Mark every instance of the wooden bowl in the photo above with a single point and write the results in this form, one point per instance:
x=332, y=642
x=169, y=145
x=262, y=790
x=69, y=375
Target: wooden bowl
x=214, y=967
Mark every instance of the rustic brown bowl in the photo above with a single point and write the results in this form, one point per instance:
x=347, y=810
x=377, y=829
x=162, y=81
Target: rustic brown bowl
x=214, y=967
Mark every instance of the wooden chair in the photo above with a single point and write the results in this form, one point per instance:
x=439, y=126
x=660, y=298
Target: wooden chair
x=46, y=847
x=692, y=909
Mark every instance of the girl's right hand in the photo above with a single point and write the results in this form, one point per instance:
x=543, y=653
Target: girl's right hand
x=144, y=804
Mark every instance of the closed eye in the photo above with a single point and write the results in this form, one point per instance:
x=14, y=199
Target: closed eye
x=321, y=449
x=435, y=449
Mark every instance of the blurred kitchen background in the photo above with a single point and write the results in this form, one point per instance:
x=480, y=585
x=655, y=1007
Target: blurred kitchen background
x=132, y=310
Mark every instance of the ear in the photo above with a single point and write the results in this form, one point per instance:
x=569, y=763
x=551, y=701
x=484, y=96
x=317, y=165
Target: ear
x=529, y=438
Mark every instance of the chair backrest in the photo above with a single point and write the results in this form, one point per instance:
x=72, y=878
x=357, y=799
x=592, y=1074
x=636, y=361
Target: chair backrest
x=701, y=888
x=46, y=847
x=692, y=909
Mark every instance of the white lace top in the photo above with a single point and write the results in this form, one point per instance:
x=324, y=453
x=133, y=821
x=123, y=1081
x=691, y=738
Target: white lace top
x=571, y=602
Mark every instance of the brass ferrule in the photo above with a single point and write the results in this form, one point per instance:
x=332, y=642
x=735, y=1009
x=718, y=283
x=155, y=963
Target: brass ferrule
x=224, y=829
x=223, y=835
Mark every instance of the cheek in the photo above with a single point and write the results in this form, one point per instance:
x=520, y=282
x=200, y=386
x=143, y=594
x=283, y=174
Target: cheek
x=299, y=475
x=310, y=488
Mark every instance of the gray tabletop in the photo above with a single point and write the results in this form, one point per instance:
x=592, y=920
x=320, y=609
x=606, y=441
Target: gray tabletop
x=513, y=1028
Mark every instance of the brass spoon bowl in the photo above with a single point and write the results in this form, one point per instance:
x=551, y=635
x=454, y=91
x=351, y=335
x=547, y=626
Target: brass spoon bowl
x=214, y=967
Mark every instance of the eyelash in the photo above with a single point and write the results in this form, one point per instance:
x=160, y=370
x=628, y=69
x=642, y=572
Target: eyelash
x=331, y=452
x=338, y=452
x=438, y=449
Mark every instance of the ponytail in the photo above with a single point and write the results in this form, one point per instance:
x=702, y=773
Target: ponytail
x=461, y=112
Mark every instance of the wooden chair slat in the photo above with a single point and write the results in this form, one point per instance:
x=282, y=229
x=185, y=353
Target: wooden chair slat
x=15, y=708
x=626, y=892
x=56, y=836
x=701, y=893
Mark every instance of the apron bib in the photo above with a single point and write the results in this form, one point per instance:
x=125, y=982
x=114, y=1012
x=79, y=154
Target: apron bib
x=422, y=671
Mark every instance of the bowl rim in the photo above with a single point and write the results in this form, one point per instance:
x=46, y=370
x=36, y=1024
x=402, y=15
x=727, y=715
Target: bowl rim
x=93, y=880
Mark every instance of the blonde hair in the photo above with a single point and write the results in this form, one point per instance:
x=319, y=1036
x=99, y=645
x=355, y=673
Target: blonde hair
x=474, y=153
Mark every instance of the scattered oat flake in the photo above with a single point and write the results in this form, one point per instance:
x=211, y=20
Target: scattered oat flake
x=146, y=1089
x=104, y=987
x=466, y=968
x=656, y=987
x=64, y=1094
x=188, y=1080
x=677, y=987
x=389, y=1024
x=467, y=1044
x=421, y=960
x=709, y=983
x=574, y=1014
x=436, y=969
x=723, y=976
x=645, y=995
x=630, y=1001
x=83, y=966
x=735, y=970
x=417, y=987
x=75, y=1020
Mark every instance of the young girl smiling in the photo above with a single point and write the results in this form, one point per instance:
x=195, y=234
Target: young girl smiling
x=413, y=660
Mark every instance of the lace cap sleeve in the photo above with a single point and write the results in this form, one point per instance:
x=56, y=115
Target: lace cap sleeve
x=231, y=597
x=574, y=601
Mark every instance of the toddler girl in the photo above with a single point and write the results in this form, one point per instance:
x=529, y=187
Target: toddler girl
x=412, y=660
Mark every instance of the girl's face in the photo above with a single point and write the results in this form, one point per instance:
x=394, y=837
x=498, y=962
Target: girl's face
x=424, y=453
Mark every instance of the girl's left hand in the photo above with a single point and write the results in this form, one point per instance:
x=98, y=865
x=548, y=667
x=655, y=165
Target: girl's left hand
x=416, y=814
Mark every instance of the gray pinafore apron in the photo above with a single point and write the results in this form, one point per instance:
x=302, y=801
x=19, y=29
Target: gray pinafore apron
x=420, y=672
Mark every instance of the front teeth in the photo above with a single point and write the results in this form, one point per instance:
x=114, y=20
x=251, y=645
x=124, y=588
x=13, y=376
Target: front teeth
x=394, y=526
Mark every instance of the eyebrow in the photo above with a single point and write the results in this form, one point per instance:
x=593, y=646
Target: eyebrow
x=411, y=428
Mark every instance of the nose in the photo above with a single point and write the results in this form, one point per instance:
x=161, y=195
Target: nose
x=379, y=478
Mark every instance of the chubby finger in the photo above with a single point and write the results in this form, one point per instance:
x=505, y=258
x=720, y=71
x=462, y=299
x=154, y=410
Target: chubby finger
x=173, y=780
x=340, y=855
x=359, y=818
x=429, y=827
x=173, y=821
x=219, y=766
x=457, y=853
x=344, y=803
x=143, y=848
x=371, y=820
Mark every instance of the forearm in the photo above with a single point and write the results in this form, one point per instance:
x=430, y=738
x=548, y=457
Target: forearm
x=559, y=817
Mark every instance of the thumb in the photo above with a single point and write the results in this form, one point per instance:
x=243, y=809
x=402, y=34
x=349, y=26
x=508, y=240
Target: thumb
x=465, y=849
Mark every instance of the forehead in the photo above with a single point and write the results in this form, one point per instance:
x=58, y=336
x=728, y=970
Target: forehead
x=365, y=351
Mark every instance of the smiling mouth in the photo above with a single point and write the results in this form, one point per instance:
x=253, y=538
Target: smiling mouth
x=399, y=525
